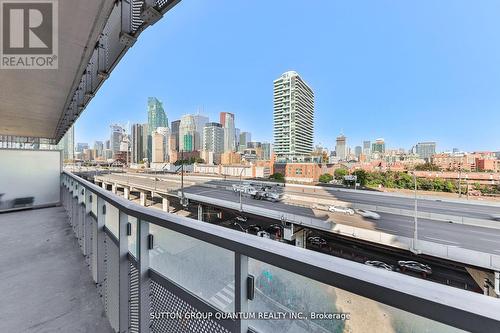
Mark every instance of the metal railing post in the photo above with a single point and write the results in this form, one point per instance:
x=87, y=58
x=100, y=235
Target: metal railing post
x=240, y=288
x=144, y=280
x=86, y=234
x=123, y=283
x=101, y=215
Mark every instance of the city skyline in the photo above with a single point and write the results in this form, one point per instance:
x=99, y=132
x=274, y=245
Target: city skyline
x=371, y=73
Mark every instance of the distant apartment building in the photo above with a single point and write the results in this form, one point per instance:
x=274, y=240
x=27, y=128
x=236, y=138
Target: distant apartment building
x=187, y=133
x=293, y=117
x=116, y=137
x=138, y=135
x=302, y=172
x=81, y=146
x=425, y=150
x=156, y=115
x=358, y=151
x=230, y=158
x=98, y=147
x=454, y=161
x=237, y=133
x=191, y=132
x=88, y=154
x=160, y=145
x=378, y=146
x=341, y=147
x=156, y=118
x=174, y=128
x=267, y=150
x=252, y=154
x=213, y=138
x=245, y=171
x=183, y=155
x=487, y=164
x=228, y=124
x=244, y=139
x=367, y=148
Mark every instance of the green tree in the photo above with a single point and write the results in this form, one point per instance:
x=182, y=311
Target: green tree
x=404, y=180
x=325, y=178
x=279, y=177
x=340, y=173
x=362, y=176
x=427, y=167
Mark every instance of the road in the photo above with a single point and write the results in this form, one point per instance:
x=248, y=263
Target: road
x=425, y=205
x=465, y=236
x=464, y=208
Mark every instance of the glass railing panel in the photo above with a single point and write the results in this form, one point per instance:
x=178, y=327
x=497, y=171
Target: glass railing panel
x=202, y=268
x=280, y=291
x=111, y=219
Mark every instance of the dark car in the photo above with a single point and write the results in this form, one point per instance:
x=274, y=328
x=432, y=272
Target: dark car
x=318, y=241
x=415, y=266
x=379, y=264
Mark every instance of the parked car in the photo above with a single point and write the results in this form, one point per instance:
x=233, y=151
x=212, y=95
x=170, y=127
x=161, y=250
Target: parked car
x=379, y=264
x=263, y=234
x=241, y=218
x=253, y=229
x=317, y=241
x=341, y=209
x=268, y=195
x=415, y=266
x=275, y=229
x=368, y=214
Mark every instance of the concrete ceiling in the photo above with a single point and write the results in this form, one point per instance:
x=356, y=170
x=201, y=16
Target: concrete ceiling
x=32, y=101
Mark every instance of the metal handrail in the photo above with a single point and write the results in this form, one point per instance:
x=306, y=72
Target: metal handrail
x=448, y=305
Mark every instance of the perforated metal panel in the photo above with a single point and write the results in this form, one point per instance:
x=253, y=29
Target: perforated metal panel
x=133, y=314
x=162, y=3
x=87, y=244
x=162, y=300
x=111, y=282
x=136, y=14
x=93, y=255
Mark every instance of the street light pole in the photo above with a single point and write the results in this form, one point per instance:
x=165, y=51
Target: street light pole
x=182, y=179
x=415, y=218
x=241, y=190
x=459, y=181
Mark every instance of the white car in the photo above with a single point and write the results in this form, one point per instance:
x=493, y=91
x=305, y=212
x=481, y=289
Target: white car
x=368, y=214
x=340, y=209
x=495, y=217
x=263, y=234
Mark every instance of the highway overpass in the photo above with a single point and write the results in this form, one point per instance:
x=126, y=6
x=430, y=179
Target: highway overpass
x=473, y=245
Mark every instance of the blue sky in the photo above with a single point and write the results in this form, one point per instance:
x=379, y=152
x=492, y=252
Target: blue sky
x=406, y=71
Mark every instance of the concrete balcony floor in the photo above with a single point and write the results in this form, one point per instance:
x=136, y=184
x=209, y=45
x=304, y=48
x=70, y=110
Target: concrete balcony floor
x=45, y=284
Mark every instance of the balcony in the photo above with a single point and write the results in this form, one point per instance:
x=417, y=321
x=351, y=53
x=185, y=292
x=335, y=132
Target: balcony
x=144, y=270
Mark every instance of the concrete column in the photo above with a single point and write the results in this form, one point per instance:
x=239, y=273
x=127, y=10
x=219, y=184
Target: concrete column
x=300, y=238
x=113, y=188
x=200, y=212
x=143, y=199
x=165, y=204
x=103, y=185
x=126, y=193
